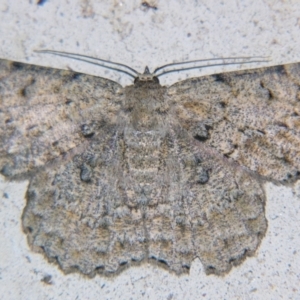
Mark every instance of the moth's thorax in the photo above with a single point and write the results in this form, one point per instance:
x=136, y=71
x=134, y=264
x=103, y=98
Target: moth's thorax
x=145, y=105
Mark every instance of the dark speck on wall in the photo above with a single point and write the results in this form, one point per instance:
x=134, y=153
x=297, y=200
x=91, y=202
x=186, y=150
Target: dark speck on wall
x=41, y=2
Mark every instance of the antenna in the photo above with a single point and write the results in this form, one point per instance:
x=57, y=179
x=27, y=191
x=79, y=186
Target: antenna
x=133, y=73
x=209, y=65
x=94, y=61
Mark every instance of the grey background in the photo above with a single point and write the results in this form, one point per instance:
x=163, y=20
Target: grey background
x=130, y=33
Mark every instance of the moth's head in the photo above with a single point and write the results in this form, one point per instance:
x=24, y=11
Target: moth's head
x=146, y=77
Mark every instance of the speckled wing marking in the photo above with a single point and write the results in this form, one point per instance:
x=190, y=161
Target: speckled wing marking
x=252, y=117
x=147, y=173
x=47, y=115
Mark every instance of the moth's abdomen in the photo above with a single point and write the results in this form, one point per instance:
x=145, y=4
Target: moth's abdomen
x=142, y=157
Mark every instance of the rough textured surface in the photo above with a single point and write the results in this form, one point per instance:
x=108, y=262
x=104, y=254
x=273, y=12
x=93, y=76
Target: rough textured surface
x=119, y=176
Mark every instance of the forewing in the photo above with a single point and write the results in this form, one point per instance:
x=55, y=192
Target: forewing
x=252, y=117
x=48, y=115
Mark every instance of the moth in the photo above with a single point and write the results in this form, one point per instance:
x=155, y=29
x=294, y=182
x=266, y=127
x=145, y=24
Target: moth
x=119, y=176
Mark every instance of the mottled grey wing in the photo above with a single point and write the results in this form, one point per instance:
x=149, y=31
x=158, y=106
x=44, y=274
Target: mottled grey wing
x=56, y=127
x=154, y=196
x=252, y=117
x=237, y=129
x=105, y=192
x=48, y=115
x=212, y=209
